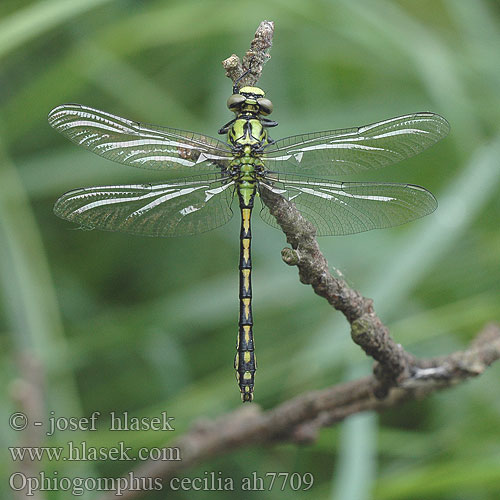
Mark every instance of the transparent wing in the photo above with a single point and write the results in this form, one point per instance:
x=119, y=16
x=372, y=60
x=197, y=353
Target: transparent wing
x=137, y=144
x=339, y=152
x=340, y=208
x=161, y=209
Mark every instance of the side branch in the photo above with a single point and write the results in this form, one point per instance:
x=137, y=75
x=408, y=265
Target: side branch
x=299, y=420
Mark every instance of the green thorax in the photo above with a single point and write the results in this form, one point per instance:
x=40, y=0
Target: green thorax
x=247, y=130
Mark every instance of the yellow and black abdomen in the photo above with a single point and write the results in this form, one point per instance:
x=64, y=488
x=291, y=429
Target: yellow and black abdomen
x=244, y=362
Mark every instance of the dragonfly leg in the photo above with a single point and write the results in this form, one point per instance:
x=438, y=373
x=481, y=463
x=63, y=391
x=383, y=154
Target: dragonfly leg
x=225, y=128
x=266, y=122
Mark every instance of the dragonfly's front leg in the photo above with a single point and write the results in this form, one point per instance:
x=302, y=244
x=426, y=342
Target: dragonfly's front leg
x=266, y=122
x=225, y=128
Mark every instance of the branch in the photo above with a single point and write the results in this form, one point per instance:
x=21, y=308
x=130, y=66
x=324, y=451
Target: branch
x=367, y=330
x=397, y=376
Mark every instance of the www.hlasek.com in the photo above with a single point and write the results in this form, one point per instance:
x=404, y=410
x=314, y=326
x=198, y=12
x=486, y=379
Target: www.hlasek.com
x=75, y=451
x=211, y=481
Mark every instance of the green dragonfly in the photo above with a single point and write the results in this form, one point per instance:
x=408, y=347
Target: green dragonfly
x=249, y=163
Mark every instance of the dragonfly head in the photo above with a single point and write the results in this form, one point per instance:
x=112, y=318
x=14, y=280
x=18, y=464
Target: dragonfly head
x=250, y=99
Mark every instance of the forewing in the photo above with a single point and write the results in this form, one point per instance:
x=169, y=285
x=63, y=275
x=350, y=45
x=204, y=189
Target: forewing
x=340, y=208
x=338, y=152
x=160, y=209
x=136, y=144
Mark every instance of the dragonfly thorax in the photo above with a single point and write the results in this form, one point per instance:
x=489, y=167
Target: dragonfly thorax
x=247, y=130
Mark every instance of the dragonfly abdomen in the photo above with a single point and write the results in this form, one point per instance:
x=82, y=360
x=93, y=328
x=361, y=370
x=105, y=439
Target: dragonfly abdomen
x=245, y=363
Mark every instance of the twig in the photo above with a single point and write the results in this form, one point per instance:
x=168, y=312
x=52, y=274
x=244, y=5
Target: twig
x=254, y=59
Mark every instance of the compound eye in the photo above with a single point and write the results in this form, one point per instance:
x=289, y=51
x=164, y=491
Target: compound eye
x=235, y=101
x=266, y=106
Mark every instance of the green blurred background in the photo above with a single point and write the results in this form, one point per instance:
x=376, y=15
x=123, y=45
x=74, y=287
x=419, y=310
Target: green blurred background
x=114, y=322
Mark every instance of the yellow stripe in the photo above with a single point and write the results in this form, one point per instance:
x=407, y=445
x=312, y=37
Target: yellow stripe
x=245, y=214
x=246, y=330
x=247, y=376
x=246, y=249
x=246, y=303
x=246, y=356
x=246, y=279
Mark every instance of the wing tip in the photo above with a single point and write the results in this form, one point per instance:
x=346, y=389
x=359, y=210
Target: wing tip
x=431, y=199
x=443, y=128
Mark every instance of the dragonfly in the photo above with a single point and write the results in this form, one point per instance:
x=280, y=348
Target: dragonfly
x=212, y=173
